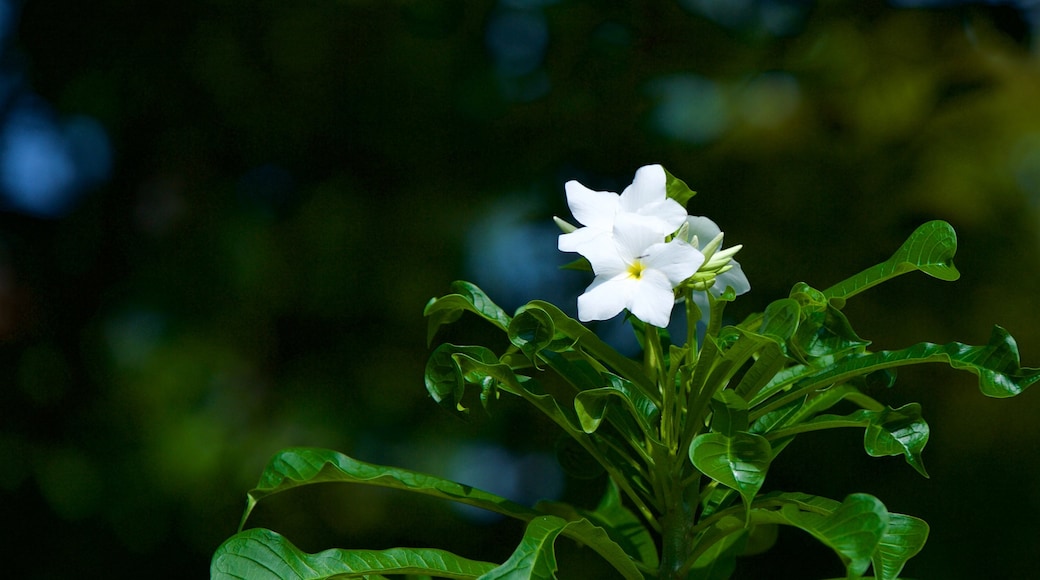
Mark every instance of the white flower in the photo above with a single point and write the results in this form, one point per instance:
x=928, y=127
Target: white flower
x=637, y=270
x=645, y=201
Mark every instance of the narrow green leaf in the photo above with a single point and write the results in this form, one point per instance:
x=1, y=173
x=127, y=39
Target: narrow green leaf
x=996, y=364
x=729, y=413
x=295, y=467
x=930, y=249
x=466, y=297
x=260, y=554
x=770, y=360
x=677, y=189
x=739, y=462
x=903, y=539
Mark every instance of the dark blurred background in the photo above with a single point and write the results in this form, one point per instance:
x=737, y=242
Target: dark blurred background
x=222, y=219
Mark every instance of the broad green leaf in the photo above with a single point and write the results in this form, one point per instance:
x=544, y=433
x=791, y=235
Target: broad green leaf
x=466, y=296
x=677, y=189
x=535, y=556
x=720, y=560
x=623, y=527
x=996, y=364
x=930, y=249
x=826, y=333
x=259, y=554
x=295, y=467
x=853, y=529
x=903, y=539
x=531, y=330
x=739, y=462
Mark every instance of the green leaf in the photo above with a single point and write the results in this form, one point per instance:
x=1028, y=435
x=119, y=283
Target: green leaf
x=902, y=540
x=531, y=330
x=535, y=556
x=260, y=554
x=853, y=529
x=996, y=364
x=295, y=467
x=590, y=345
x=780, y=320
x=899, y=431
x=466, y=297
x=739, y=462
x=930, y=249
x=729, y=413
x=445, y=379
x=592, y=406
x=677, y=189
x=623, y=527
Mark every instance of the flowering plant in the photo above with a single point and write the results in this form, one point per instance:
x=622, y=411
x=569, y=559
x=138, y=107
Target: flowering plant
x=687, y=434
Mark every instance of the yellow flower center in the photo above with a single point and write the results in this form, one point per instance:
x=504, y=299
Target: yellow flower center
x=635, y=269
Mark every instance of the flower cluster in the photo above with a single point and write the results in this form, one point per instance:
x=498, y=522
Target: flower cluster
x=643, y=247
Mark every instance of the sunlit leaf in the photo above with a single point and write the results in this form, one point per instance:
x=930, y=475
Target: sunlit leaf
x=930, y=249
x=677, y=189
x=739, y=462
x=465, y=297
x=259, y=554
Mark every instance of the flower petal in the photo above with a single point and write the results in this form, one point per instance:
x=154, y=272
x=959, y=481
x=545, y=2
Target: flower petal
x=633, y=235
x=647, y=187
x=652, y=298
x=734, y=278
x=605, y=298
x=676, y=260
x=592, y=208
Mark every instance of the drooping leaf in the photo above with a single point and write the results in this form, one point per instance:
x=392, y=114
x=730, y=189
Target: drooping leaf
x=853, y=529
x=930, y=249
x=591, y=406
x=623, y=527
x=899, y=431
x=300, y=466
x=535, y=556
x=465, y=297
x=739, y=462
x=902, y=540
x=259, y=554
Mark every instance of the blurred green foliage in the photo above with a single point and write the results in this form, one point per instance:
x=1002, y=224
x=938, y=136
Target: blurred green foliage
x=294, y=180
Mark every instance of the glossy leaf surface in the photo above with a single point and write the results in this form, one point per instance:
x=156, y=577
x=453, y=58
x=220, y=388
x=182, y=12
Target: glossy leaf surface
x=260, y=554
x=739, y=462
